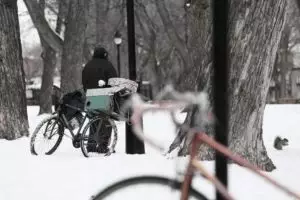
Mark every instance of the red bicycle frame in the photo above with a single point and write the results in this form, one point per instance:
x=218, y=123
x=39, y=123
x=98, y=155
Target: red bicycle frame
x=200, y=138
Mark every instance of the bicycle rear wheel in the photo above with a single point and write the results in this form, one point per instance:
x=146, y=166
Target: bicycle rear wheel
x=146, y=187
x=47, y=136
x=95, y=124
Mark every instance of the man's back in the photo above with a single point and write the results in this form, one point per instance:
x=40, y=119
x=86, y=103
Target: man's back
x=95, y=70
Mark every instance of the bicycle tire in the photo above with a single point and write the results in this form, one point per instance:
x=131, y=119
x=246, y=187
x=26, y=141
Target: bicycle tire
x=45, y=121
x=131, y=182
x=85, y=136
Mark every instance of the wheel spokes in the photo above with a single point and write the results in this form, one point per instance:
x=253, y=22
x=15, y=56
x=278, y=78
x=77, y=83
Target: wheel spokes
x=47, y=137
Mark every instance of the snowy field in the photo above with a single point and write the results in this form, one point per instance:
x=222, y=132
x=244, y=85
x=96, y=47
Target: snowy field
x=67, y=175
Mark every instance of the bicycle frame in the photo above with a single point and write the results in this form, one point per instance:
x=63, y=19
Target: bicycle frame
x=198, y=139
x=67, y=124
x=201, y=137
x=96, y=112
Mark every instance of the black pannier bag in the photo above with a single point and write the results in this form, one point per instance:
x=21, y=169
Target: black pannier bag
x=77, y=100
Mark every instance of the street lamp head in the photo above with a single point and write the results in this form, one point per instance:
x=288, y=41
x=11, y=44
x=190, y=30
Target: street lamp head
x=187, y=3
x=118, y=38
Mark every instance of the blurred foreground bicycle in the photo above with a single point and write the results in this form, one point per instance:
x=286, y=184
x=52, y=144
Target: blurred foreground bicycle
x=178, y=189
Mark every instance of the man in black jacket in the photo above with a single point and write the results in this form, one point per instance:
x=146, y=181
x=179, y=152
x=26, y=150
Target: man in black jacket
x=99, y=68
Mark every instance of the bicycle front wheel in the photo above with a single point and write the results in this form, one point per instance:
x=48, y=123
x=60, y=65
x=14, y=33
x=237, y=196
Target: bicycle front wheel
x=47, y=136
x=146, y=188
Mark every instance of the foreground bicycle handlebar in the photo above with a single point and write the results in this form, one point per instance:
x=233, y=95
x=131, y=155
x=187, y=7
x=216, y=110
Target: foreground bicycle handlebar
x=201, y=101
x=178, y=102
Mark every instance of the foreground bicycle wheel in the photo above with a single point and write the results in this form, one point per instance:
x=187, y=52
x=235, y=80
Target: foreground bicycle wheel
x=95, y=124
x=47, y=136
x=146, y=188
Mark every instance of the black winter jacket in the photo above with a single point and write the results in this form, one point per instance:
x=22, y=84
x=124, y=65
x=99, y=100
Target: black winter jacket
x=95, y=70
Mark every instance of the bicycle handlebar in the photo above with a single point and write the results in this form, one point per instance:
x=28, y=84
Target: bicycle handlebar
x=201, y=101
x=180, y=100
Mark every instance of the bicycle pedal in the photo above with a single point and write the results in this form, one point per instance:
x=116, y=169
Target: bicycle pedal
x=76, y=144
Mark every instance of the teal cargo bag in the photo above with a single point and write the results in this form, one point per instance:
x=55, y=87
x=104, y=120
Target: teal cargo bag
x=99, y=99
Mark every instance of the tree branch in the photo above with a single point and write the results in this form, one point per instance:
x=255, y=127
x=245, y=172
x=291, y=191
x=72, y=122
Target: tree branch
x=175, y=39
x=48, y=35
x=294, y=43
x=142, y=8
x=298, y=4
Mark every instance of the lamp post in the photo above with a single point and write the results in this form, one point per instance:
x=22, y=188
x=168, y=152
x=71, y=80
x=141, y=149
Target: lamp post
x=133, y=144
x=220, y=89
x=118, y=41
x=187, y=5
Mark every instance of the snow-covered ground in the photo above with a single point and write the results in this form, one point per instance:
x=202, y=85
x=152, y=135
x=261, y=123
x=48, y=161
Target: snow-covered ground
x=68, y=175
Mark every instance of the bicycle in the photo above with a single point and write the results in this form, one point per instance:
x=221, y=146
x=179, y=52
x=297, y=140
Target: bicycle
x=53, y=127
x=197, y=136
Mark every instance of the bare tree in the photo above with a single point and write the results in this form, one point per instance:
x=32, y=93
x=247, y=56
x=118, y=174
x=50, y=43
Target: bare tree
x=157, y=59
x=298, y=3
x=61, y=15
x=41, y=24
x=252, y=57
x=71, y=47
x=283, y=64
x=285, y=55
x=13, y=113
x=49, y=64
x=105, y=17
x=72, y=56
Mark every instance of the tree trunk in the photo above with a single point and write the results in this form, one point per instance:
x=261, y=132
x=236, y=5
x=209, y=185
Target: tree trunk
x=49, y=61
x=298, y=4
x=62, y=12
x=254, y=33
x=253, y=46
x=283, y=61
x=72, y=56
x=37, y=16
x=177, y=42
x=13, y=112
x=98, y=5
